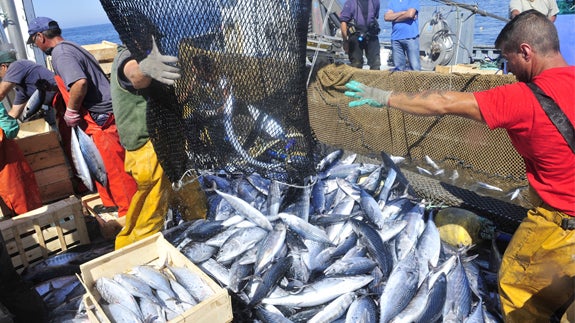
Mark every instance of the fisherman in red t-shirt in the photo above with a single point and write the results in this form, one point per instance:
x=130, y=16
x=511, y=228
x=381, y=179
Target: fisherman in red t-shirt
x=537, y=274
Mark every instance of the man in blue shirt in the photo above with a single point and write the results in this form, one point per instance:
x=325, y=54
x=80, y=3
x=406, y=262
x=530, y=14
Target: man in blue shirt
x=403, y=15
x=359, y=31
x=25, y=77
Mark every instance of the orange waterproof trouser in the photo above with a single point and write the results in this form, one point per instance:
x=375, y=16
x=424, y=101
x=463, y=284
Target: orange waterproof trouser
x=537, y=274
x=18, y=186
x=121, y=186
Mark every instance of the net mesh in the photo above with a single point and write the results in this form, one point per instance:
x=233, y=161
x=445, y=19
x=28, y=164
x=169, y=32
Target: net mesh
x=241, y=103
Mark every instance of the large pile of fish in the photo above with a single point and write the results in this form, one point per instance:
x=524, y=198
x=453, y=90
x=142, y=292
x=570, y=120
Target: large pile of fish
x=353, y=245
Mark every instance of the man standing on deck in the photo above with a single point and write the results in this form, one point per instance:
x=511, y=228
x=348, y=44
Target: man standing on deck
x=537, y=274
x=403, y=15
x=546, y=7
x=86, y=91
x=360, y=32
x=129, y=81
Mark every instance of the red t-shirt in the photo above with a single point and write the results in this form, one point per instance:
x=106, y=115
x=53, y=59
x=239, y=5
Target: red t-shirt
x=549, y=162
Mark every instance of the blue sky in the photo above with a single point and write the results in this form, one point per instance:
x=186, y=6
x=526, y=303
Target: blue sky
x=72, y=13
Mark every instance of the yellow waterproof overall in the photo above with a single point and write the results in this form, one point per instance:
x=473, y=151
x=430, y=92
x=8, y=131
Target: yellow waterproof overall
x=150, y=203
x=537, y=274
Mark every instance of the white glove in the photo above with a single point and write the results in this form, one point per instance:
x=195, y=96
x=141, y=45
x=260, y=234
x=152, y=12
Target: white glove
x=159, y=67
x=367, y=95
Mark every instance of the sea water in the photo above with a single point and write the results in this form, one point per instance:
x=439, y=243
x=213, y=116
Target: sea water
x=486, y=28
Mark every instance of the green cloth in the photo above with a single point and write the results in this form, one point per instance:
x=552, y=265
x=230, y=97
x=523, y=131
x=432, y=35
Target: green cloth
x=129, y=106
x=8, y=124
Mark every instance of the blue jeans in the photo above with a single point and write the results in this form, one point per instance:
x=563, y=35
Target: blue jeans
x=403, y=50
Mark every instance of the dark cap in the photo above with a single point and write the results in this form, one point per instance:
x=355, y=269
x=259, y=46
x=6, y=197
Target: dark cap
x=38, y=25
x=7, y=56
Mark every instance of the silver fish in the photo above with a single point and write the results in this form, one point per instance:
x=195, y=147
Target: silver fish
x=362, y=310
x=321, y=291
x=329, y=160
x=489, y=187
x=192, y=282
x=431, y=163
x=334, y=309
x=304, y=229
x=458, y=302
x=216, y=270
x=182, y=293
x=400, y=288
x=135, y=285
x=248, y=211
x=155, y=278
x=120, y=313
x=33, y=104
x=114, y=293
x=239, y=242
x=92, y=157
x=82, y=170
x=270, y=247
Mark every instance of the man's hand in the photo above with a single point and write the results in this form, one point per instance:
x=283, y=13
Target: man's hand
x=367, y=95
x=157, y=66
x=72, y=117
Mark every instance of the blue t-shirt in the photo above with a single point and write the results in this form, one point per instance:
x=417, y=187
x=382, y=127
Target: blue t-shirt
x=404, y=29
x=352, y=9
x=72, y=63
x=24, y=74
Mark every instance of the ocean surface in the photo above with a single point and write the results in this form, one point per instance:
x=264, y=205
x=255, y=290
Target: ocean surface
x=486, y=28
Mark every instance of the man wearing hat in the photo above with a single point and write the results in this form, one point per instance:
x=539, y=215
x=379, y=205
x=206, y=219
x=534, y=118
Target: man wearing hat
x=86, y=91
x=33, y=83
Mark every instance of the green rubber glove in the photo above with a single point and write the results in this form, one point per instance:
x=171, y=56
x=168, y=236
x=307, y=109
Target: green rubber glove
x=367, y=95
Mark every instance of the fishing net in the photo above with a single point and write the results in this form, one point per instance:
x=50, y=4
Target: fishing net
x=455, y=143
x=241, y=104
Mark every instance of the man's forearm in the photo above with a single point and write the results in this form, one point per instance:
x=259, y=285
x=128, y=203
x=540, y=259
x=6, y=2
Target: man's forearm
x=77, y=94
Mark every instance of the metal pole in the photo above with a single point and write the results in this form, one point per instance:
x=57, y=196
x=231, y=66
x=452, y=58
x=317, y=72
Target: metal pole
x=13, y=27
x=474, y=9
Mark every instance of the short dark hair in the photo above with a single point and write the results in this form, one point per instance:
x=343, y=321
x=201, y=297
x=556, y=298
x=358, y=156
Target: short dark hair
x=53, y=31
x=531, y=27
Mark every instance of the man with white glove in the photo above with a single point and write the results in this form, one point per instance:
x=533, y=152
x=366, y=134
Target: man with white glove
x=129, y=83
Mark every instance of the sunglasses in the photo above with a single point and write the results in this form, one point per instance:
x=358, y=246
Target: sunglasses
x=33, y=43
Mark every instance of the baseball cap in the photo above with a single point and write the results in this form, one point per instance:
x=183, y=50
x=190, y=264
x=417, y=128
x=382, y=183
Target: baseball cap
x=7, y=56
x=40, y=24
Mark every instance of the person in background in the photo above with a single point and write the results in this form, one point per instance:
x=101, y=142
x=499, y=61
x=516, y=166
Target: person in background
x=403, y=15
x=547, y=7
x=537, y=274
x=18, y=186
x=86, y=91
x=360, y=32
x=129, y=81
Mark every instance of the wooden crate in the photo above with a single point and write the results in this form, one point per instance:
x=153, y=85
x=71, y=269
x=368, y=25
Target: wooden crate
x=104, y=53
x=109, y=223
x=465, y=68
x=153, y=250
x=43, y=151
x=34, y=236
